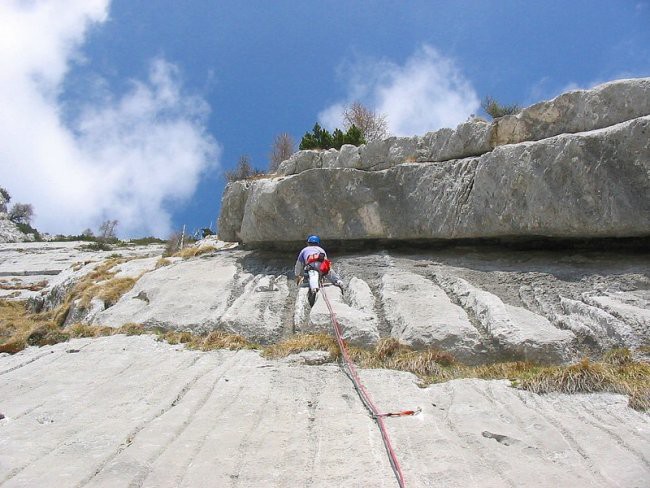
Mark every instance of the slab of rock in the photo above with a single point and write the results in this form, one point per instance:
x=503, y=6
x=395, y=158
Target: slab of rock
x=9, y=231
x=131, y=411
x=358, y=326
x=576, y=111
x=586, y=185
x=519, y=332
x=605, y=329
x=257, y=313
x=187, y=295
x=59, y=265
x=632, y=308
x=422, y=315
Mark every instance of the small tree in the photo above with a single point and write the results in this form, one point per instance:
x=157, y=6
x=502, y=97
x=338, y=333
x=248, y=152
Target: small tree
x=320, y=138
x=353, y=136
x=88, y=233
x=21, y=213
x=283, y=148
x=243, y=170
x=373, y=126
x=495, y=110
x=173, y=244
x=107, y=231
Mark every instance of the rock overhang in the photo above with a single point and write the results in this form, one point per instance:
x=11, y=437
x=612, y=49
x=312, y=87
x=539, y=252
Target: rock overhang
x=578, y=169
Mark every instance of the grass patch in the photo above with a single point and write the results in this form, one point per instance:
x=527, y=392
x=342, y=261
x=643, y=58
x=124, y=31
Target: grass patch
x=162, y=262
x=222, y=340
x=99, y=282
x=85, y=331
x=618, y=372
x=20, y=329
x=207, y=342
x=300, y=343
x=132, y=329
x=109, y=291
x=193, y=251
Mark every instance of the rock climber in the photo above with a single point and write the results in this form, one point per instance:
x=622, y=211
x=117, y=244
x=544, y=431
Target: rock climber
x=312, y=263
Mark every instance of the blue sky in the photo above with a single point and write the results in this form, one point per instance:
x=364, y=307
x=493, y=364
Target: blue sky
x=132, y=109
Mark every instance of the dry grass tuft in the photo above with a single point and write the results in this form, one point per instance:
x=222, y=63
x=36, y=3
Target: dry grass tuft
x=303, y=342
x=19, y=286
x=386, y=347
x=223, y=340
x=618, y=357
x=109, y=291
x=20, y=329
x=583, y=377
x=102, y=273
x=173, y=337
x=193, y=251
x=162, y=262
x=131, y=329
x=85, y=330
x=422, y=363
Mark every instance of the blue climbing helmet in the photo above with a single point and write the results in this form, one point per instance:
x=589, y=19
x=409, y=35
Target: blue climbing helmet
x=313, y=239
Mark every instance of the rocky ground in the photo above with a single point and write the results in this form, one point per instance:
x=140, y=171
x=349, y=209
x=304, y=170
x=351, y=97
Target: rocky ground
x=131, y=411
x=118, y=411
x=481, y=304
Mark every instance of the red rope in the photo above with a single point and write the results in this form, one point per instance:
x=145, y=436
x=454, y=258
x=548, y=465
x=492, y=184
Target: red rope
x=365, y=396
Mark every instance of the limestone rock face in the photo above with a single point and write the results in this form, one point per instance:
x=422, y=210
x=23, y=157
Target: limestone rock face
x=576, y=111
x=358, y=323
x=233, y=418
x=594, y=184
x=257, y=312
x=9, y=231
x=577, y=166
x=422, y=315
x=173, y=300
x=480, y=306
x=518, y=331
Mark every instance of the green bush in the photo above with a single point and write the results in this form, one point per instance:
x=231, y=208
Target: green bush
x=145, y=241
x=28, y=229
x=495, y=109
x=96, y=246
x=320, y=138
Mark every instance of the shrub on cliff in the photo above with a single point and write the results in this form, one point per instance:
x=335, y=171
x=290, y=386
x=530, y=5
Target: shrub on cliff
x=495, y=109
x=373, y=126
x=283, y=148
x=320, y=138
x=243, y=170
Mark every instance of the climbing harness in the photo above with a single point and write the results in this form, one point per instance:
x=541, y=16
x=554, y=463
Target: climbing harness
x=352, y=373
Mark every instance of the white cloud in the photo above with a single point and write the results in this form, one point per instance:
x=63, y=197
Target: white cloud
x=127, y=158
x=426, y=93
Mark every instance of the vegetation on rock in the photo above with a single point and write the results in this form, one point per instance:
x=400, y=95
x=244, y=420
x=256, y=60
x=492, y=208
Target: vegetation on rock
x=282, y=149
x=243, y=170
x=373, y=126
x=320, y=138
x=495, y=109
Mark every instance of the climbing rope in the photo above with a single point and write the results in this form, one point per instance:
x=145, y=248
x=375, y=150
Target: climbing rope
x=352, y=373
